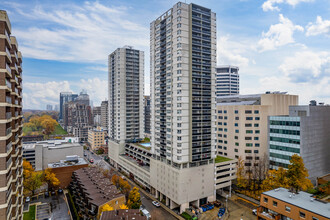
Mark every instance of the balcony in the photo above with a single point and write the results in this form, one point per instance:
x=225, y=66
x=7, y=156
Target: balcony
x=8, y=147
x=8, y=115
x=8, y=69
x=7, y=36
x=8, y=53
x=8, y=163
x=8, y=84
x=8, y=131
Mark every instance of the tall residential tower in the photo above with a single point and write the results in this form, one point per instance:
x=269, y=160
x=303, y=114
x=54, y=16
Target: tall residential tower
x=126, y=89
x=11, y=170
x=183, y=105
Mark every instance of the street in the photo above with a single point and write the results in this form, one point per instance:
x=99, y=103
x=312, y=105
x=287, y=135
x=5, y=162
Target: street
x=156, y=213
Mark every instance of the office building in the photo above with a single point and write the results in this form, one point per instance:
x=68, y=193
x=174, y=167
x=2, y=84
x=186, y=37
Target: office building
x=96, y=137
x=42, y=153
x=304, y=131
x=91, y=190
x=11, y=180
x=183, y=62
x=227, y=80
x=105, y=115
x=147, y=115
x=242, y=122
x=49, y=108
x=280, y=203
x=64, y=98
x=126, y=83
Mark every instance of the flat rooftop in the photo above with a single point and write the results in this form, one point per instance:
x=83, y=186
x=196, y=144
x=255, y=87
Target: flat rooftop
x=302, y=200
x=220, y=159
x=66, y=163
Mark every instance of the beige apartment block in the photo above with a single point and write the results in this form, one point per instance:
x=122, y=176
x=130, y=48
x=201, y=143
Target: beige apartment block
x=96, y=137
x=242, y=122
x=11, y=180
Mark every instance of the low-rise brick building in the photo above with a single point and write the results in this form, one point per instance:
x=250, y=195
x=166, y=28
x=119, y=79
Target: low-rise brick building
x=281, y=204
x=91, y=190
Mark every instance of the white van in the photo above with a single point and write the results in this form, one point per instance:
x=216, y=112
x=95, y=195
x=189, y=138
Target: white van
x=146, y=213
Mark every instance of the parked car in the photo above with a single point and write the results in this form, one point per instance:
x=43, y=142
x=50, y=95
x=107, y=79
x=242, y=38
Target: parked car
x=254, y=212
x=60, y=191
x=46, y=194
x=155, y=203
x=91, y=160
x=53, y=192
x=146, y=213
x=27, y=199
x=85, y=154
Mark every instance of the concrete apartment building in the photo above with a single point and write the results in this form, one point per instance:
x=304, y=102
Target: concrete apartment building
x=42, y=153
x=227, y=80
x=96, y=137
x=183, y=62
x=304, y=131
x=105, y=115
x=64, y=98
x=147, y=115
x=11, y=180
x=92, y=190
x=282, y=204
x=242, y=123
x=126, y=89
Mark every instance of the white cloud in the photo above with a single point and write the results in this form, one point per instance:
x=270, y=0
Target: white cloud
x=319, y=27
x=37, y=94
x=97, y=89
x=229, y=52
x=278, y=35
x=306, y=66
x=269, y=4
x=86, y=33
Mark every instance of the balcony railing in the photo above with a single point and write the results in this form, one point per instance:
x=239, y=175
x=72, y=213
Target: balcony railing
x=8, y=115
x=16, y=114
x=8, y=163
x=8, y=83
x=8, y=99
x=8, y=52
x=8, y=68
x=16, y=90
x=16, y=102
x=7, y=35
x=8, y=131
x=9, y=146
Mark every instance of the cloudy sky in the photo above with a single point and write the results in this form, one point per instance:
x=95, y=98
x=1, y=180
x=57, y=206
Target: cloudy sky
x=279, y=45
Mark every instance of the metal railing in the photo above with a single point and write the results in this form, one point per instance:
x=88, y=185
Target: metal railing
x=8, y=131
x=8, y=163
x=8, y=68
x=8, y=99
x=8, y=115
x=9, y=146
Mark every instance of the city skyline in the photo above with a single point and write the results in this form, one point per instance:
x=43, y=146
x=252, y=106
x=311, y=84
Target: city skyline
x=277, y=46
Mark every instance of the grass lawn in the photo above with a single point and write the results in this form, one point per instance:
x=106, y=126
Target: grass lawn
x=31, y=214
x=59, y=130
x=220, y=159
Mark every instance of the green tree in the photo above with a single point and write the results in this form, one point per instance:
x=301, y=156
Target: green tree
x=33, y=182
x=297, y=175
x=50, y=178
x=134, y=199
x=241, y=180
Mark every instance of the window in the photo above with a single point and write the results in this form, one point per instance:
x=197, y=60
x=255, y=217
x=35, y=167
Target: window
x=249, y=118
x=287, y=208
x=302, y=214
x=179, y=125
x=236, y=144
x=248, y=112
x=236, y=137
x=179, y=138
x=256, y=111
x=314, y=218
x=178, y=25
x=274, y=204
x=265, y=200
x=236, y=111
x=257, y=131
x=179, y=11
x=178, y=19
x=249, y=131
x=256, y=125
x=225, y=111
x=257, y=118
x=236, y=124
x=236, y=131
x=236, y=118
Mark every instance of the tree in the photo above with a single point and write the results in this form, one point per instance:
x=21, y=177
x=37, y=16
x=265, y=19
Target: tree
x=134, y=199
x=275, y=179
x=106, y=208
x=123, y=206
x=124, y=187
x=241, y=181
x=115, y=180
x=27, y=169
x=32, y=182
x=297, y=175
x=50, y=178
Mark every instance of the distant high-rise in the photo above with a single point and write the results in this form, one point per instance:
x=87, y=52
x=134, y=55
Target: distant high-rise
x=147, y=114
x=105, y=115
x=126, y=83
x=11, y=170
x=83, y=98
x=183, y=62
x=97, y=115
x=227, y=80
x=49, y=108
x=64, y=98
x=56, y=108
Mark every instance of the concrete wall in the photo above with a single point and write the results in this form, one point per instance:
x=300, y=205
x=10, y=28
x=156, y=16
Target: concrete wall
x=46, y=155
x=314, y=141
